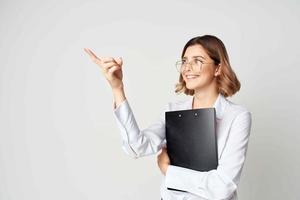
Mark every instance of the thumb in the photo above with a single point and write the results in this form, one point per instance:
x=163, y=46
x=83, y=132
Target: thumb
x=119, y=60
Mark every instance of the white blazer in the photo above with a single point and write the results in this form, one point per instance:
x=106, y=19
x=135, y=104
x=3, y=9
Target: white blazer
x=233, y=130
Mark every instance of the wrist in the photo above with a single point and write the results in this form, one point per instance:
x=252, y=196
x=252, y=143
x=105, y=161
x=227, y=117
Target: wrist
x=118, y=95
x=118, y=89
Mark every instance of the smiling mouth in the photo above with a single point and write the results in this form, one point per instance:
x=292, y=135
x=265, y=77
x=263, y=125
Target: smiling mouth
x=191, y=77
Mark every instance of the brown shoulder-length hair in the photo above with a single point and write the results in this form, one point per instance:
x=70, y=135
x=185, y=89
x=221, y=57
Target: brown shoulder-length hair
x=227, y=82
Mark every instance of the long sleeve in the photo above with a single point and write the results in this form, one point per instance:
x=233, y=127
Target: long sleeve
x=222, y=182
x=136, y=142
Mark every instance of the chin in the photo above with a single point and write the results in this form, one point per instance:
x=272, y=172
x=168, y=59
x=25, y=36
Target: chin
x=191, y=86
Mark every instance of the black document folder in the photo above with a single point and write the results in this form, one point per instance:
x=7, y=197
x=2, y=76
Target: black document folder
x=191, y=139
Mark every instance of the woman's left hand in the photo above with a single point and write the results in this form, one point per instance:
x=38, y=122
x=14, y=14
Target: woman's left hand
x=163, y=160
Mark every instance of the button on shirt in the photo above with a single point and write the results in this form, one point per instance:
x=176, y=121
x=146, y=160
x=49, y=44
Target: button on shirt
x=233, y=130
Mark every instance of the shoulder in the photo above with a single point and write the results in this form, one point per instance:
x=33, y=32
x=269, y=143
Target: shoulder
x=237, y=113
x=235, y=108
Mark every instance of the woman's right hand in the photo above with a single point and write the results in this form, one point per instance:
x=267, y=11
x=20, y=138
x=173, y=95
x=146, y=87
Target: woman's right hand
x=110, y=67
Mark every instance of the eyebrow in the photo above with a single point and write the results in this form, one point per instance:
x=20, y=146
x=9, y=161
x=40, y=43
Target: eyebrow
x=195, y=57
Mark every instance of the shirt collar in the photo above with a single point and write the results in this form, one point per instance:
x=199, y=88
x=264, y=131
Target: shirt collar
x=219, y=105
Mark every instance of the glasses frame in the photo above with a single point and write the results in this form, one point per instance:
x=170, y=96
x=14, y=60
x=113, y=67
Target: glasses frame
x=193, y=67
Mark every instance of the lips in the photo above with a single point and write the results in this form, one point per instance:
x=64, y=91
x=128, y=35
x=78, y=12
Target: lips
x=191, y=76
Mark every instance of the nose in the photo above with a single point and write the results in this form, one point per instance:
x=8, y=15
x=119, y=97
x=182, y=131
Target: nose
x=190, y=68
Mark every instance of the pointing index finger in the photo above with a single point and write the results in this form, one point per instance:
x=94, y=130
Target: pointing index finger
x=91, y=54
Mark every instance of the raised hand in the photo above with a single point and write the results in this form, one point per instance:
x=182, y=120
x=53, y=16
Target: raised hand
x=110, y=67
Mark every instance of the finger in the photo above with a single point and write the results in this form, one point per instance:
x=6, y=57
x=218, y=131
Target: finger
x=108, y=59
x=91, y=53
x=119, y=60
x=113, y=69
x=109, y=65
x=94, y=58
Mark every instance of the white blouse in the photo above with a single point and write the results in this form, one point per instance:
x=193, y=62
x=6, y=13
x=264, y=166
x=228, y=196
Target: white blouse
x=233, y=130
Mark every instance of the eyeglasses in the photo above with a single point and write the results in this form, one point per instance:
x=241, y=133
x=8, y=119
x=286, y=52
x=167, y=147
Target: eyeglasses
x=196, y=65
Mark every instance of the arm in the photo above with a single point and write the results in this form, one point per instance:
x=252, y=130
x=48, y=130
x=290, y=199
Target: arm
x=119, y=96
x=222, y=182
x=136, y=142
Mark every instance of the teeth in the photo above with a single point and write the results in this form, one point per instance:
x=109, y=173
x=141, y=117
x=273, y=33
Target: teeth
x=191, y=76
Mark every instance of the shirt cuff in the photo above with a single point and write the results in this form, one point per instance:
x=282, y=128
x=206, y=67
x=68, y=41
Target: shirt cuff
x=122, y=114
x=115, y=108
x=208, y=184
x=181, y=179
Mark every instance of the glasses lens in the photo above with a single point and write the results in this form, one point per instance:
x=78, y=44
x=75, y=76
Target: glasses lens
x=196, y=65
x=179, y=66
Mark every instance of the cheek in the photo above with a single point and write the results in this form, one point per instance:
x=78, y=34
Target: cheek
x=205, y=76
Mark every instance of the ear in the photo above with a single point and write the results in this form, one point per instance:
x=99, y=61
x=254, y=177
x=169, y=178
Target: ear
x=218, y=70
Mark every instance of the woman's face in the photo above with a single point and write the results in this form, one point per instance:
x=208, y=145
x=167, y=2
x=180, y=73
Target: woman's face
x=196, y=80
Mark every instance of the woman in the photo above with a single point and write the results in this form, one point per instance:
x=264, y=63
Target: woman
x=207, y=78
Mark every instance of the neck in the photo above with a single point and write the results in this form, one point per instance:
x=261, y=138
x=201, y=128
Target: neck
x=205, y=98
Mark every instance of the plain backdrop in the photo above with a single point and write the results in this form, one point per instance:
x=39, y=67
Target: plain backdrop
x=58, y=136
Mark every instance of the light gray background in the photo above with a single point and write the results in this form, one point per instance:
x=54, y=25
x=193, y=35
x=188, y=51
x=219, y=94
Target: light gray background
x=58, y=137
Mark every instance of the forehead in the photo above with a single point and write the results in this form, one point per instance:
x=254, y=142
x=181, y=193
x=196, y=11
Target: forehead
x=195, y=51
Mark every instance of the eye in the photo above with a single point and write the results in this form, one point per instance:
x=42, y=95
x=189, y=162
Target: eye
x=199, y=61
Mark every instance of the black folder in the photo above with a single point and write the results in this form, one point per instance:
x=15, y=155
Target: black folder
x=191, y=139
